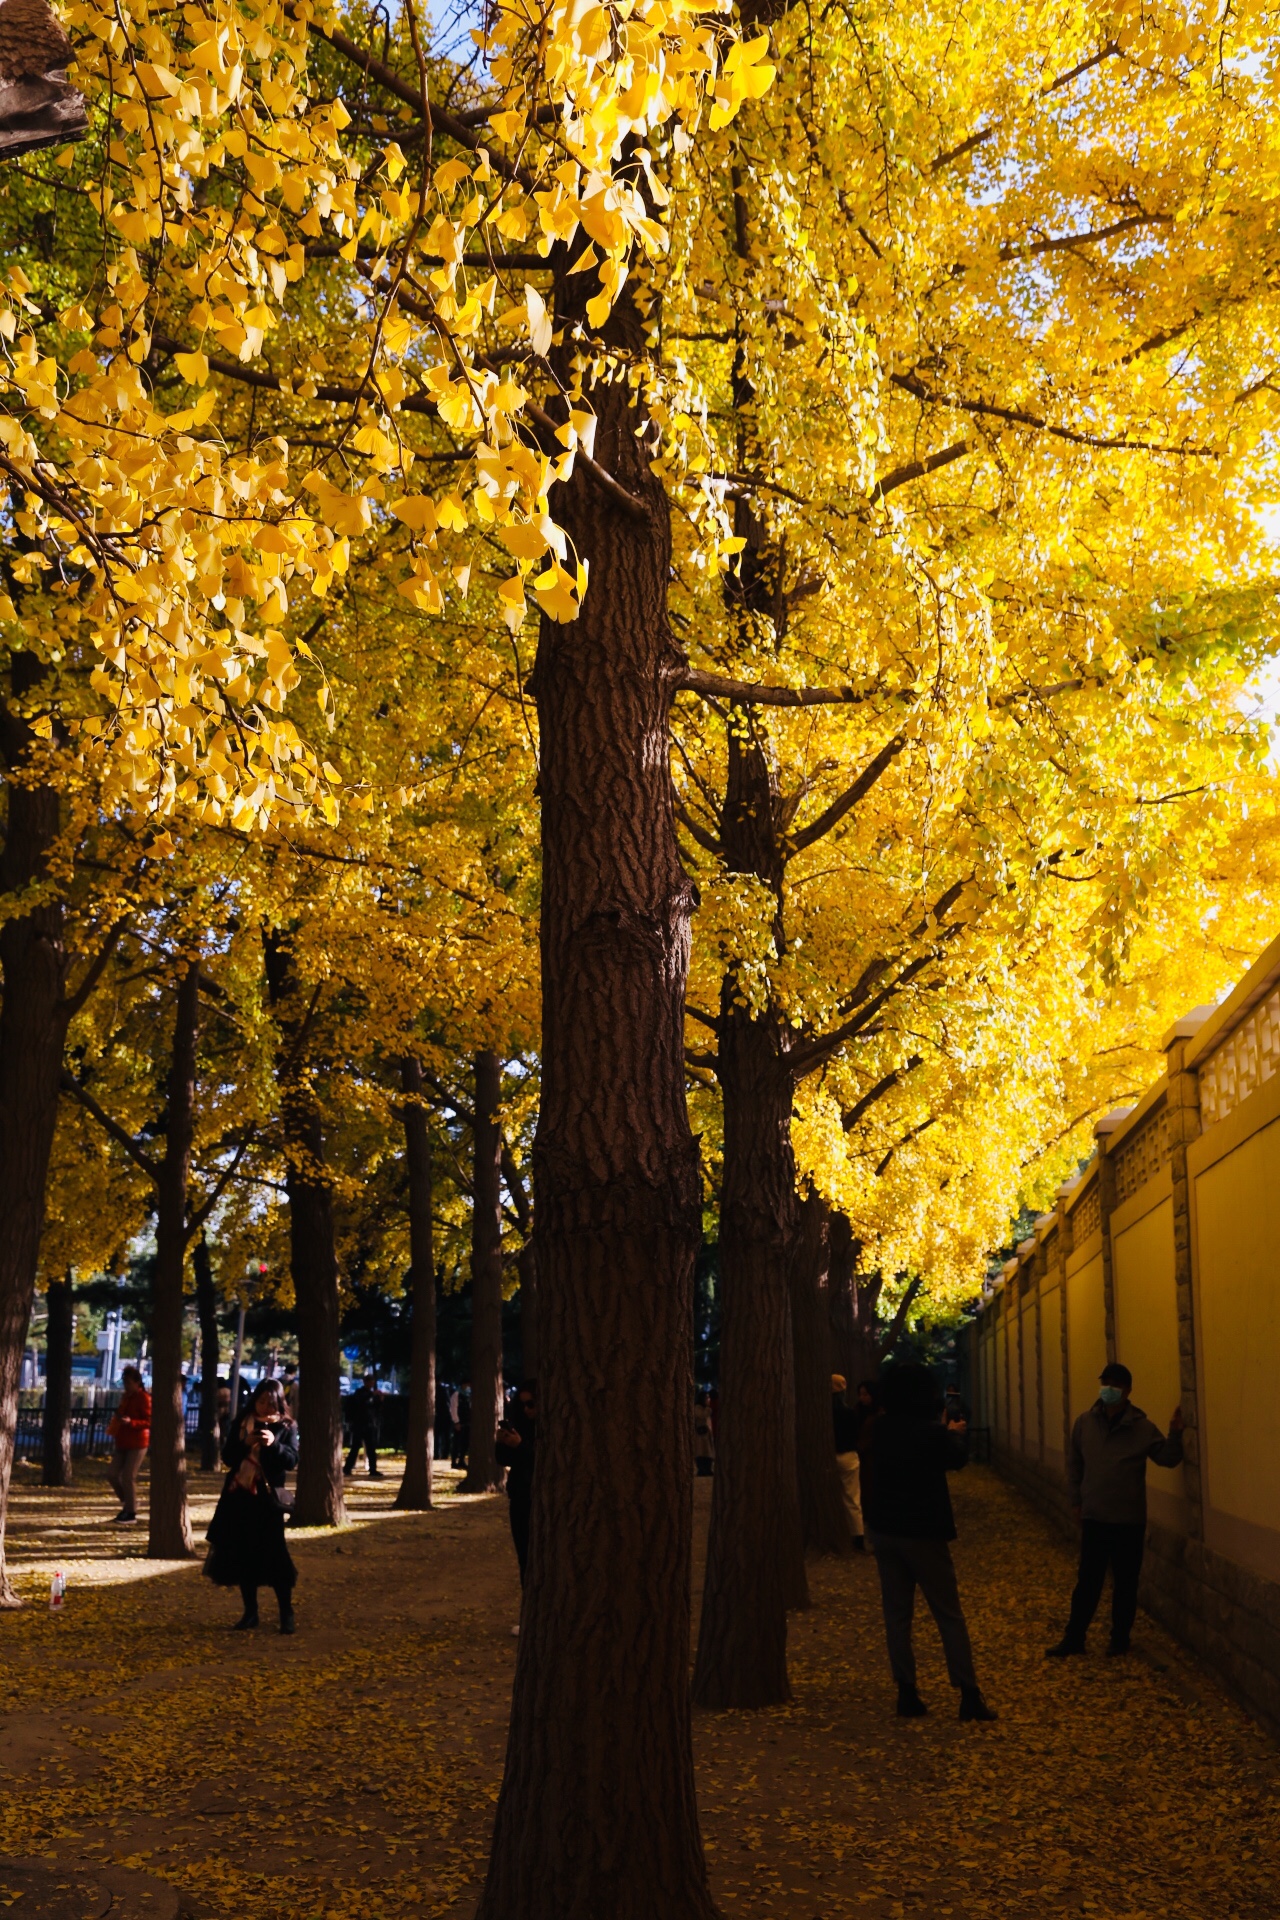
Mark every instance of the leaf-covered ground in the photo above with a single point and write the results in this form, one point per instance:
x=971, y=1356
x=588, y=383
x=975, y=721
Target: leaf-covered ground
x=352, y=1769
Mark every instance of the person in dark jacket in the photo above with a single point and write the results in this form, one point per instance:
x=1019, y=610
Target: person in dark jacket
x=517, y=1436
x=1107, y=1477
x=362, y=1411
x=907, y=1454
x=246, y=1535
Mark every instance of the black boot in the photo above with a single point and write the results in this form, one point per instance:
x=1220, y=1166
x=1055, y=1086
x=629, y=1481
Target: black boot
x=974, y=1707
x=246, y=1621
x=1065, y=1650
x=910, y=1705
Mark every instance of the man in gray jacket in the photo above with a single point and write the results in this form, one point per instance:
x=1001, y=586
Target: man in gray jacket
x=1107, y=1475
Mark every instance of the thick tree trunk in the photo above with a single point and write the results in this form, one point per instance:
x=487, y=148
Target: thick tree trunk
x=313, y=1262
x=755, y=1564
x=170, y=1529
x=823, y=1518
x=856, y=1332
x=56, y=1433
x=527, y=1264
x=597, y=1815
x=207, y=1313
x=415, y=1489
x=32, y=1030
x=313, y=1257
x=752, y=1548
x=484, y=1473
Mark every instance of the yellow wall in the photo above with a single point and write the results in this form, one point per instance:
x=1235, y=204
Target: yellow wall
x=1051, y=1373
x=1238, y=1309
x=1086, y=1334
x=1146, y=1305
x=1146, y=1309
x=1031, y=1393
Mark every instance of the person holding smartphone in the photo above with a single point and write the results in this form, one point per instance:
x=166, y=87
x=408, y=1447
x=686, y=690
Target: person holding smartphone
x=246, y=1535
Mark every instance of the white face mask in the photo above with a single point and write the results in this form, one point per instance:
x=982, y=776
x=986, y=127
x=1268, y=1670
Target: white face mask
x=1111, y=1396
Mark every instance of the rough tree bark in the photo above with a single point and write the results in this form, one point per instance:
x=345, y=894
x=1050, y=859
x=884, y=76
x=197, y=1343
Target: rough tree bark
x=169, y=1534
x=56, y=1426
x=415, y=1492
x=484, y=1472
x=755, y=1567
x=33, y=1023
x=597, y=1814
x=823, y=1518
x=207, y=1313
x=313, y=1258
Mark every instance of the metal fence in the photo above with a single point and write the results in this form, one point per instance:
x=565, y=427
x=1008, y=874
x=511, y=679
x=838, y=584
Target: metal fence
x=90, y=1439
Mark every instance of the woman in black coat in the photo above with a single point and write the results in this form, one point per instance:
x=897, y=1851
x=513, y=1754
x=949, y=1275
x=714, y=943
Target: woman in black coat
x=246, y=1535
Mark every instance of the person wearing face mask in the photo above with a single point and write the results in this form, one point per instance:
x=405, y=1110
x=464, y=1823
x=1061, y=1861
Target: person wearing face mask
x=1107, y=1475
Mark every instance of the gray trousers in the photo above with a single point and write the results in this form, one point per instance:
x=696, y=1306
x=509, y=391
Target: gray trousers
x=906, y=1564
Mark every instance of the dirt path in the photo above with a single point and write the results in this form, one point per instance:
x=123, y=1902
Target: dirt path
x=352, y=1769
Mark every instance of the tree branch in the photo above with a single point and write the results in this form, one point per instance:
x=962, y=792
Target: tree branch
x=69, y=1084
x=832, y=816
x=1019, y=417
x=517, y=1189
x=885, y=1084
x=73, y=1002
x=1065, y=240
x=715, y=686
x=912, y=1133
x=984, y=134
x=223, y=1181
x=916, y=469
x=904, y=1307
x=704, y=837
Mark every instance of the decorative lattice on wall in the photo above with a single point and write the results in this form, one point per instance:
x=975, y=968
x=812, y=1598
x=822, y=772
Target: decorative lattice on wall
x=1086, y=1215
x=1245, y=1059
x=1143, y=1153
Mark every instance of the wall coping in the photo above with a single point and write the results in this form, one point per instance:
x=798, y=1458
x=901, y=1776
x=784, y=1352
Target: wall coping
x=1238, y=1005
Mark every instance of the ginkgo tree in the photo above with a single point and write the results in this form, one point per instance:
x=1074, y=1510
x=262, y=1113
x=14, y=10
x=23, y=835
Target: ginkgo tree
x=987, y=373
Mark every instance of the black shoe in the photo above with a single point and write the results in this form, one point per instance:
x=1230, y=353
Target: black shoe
x=245, y=1622
x=974, y=1707
x=375, y=1475
x=910, y=1705
x=859, y=1543
x=1064, y=1650
x=125, y=1520
x=1117, y=1649
x=287, y=1622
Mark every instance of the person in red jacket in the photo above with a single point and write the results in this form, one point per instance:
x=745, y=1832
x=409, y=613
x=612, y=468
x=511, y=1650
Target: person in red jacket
x=131, y=1430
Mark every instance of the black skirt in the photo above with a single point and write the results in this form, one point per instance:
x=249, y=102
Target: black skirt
x=246, y=1539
